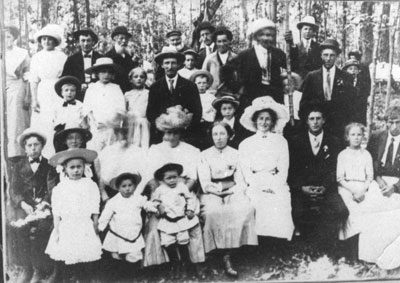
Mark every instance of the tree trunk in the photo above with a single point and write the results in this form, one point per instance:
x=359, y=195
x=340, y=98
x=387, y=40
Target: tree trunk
x=384, y=48
x=173, y=14
x=274, y=10
x=366, y=38
x=245, y=17
x=87, y=6
x=45, y=12
x=344, y=31
x=76, y=15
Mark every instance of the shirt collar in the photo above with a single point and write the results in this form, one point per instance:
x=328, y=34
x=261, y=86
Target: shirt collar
x=174, y=78
x=261, y=49
x=331, y=70
x=262, y=135
x=396, y=138
x=90, y=53
x=40, y=158
x=319, y=137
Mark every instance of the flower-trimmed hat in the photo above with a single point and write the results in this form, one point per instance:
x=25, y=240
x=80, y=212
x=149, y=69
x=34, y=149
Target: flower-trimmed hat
x=82, y=153
x=67, y=80
x=86, y=32
x=103, y=62
x=169, y=52
x=330, y=44
x=50, y=30
x=175, y=119
x=307, y=21
x=202, y=73
x=262, y=103
x=349, y=63
x=260, y=24
x=158, y=175
x=224, y=99
x=27, y=133
x=121, y=30
x=126, y=175
x=63, y=130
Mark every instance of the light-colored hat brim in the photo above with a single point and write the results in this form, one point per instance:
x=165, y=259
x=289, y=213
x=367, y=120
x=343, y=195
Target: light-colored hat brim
x=135, y=176
x=202, y=73
x=302, y=24
x=49, y=31
x=82, y=153
x=95, y=67
x=30, y=132
x=224, y=99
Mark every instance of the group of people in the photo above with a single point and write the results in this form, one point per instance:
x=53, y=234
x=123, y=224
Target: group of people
x=202, y=160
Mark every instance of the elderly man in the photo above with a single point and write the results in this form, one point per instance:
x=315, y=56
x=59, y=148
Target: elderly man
x=305, y=55
x=174, y=39
x=172, y=90
x=121, y=57
x=259, y=67
x=77, y=63
x=332, y=87
x=204, y=33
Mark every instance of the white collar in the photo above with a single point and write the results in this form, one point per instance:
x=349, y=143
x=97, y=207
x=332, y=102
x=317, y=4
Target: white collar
x=331, y=70
x=258, y=47
x=90, y=53
x=263, y=135
x=313, y=137
x=174, y=78
x=211, y=46
x=40, y=158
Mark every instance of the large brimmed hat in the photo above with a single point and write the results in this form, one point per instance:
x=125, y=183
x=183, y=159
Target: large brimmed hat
x=121, y=30
x=67, y=80
x=296, y=79
x=51, y=30
x=63, y=130
x=169, y=52
x=126, y=175
x=191, y=52
x=103, y=62
x=258, y=25
x=351, y=62
x=307, y=21
x=262, y=103
x=222, y=30
x=202, y=73
x=28, y=133
x=173, y=32
x=224, y=99
x=175, y=119
x=158, y=175
x=330, y=44
x=86, y=32
x=62, y=156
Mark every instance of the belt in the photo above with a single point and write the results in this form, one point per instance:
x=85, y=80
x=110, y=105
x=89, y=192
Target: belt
x=175, y=219
x=125, y=239
x=227, y=179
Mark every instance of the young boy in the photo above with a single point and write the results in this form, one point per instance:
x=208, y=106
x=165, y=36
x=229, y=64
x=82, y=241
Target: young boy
x=104, y=103
x=189, y=64
x=30, y=198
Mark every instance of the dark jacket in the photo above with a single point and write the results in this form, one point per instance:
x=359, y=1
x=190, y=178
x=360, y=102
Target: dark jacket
x=126, y=64
x=304, y=62
x=202, y=54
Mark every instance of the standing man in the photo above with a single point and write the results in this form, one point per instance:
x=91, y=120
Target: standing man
x=121, y=57
x=305, y=56
x=332, y=87
x=172, y=90
x=174, y=39
x=77, y=63
x=205, y=32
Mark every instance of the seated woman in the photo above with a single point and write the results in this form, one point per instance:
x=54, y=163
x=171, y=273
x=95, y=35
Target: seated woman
x=264, y=159
x=226, y=212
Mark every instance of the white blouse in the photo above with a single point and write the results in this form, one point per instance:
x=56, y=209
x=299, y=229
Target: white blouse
x=47, y=65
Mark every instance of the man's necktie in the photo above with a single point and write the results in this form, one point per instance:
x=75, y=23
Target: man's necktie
x=389, y=156
x=87, y=56
x=316, y=146
x=171, y=86
x=72, y=102
x=328, y=86
x=35, y=160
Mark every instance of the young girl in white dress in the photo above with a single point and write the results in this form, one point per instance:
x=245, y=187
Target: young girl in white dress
x=75, y=205
x=374, y=217
x=136, y=100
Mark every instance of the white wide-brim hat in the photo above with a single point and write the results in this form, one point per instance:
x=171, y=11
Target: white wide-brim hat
x=30, y=132
x=258, y=25
x=176, y=118
x=307, y=21
x=262, y=103
x=82, y=153
x=51, y=30
x=103, y=62
x=134, y=175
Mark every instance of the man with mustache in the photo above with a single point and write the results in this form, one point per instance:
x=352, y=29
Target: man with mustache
x=121, y=57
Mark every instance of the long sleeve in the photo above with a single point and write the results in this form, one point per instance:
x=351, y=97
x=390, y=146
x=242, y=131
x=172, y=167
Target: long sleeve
x=244, y=164
x=283, y=161
x=106, y=215
x=152, y=111
x=369, y=168
x=204, y=173
x=15, y=186
x=340, y=170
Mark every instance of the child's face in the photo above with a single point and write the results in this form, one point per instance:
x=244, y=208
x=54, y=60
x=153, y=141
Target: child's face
x=33, y=147
x=189, y=61
x=138, y=79
x=202, y=84
x=126, y=188
x=74, y=168
x=105, y=76
x=353, y=70
x=227, y=110
x=68, y=92
x=355, y=136
x=171, y=178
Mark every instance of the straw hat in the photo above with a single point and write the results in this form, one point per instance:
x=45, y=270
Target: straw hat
x=307, y=21
x=351, y=62
x=224, y=99
x=62, y=156
x=158, y=175
x=63, y=130
x=51, y=30
x=202, y=73
x=126, y=175
x=103, y=62
x=175, y=119
x=28, y=133
x=330, y=44
x=169, y=52
x=262, y=103
x=260, y=24
x=67, y=80
x=86, y=32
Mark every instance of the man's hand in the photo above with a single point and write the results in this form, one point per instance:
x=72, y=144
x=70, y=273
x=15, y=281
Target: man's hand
x=308, y=190
x=319, y=190
x=289, y=37
x=387, y=191
x=27, y=208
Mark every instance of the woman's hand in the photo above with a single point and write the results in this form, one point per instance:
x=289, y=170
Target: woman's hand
x=359, y=196
x=35, y=106
x=27, y=208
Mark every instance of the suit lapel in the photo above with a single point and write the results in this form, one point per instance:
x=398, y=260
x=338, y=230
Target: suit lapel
x=254, y=59
x=308, y=146
x=27, y=166
x=382, y=145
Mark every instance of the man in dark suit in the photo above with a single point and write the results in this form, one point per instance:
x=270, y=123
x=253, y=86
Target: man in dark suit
x=172, y=90
x=29, y=194
x=305, y=56
x=121, y=57
x=78, y=62
x=204, y=33
x=259, y=67
x=384, y=148
x=332, y=87
x=312, y=178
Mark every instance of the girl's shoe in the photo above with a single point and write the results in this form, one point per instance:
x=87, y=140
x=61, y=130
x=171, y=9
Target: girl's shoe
x=228, y=267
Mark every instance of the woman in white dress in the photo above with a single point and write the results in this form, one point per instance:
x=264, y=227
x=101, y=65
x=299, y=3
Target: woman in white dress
x=264, y=159
x=46, y=68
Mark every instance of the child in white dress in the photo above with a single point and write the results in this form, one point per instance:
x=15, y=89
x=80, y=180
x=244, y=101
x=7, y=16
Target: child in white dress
x=75, y=205
x=136, y=101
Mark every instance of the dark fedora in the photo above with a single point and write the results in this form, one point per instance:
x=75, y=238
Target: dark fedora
x=67, y=80
x=169, y=53
x=205, y=25
x=222, y=30
x=86, y=32
x=330, y=44
x=121, y=30
x=174, y=32
x=159, y=174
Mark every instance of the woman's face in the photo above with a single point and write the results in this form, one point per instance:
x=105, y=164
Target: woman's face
x=220, y=136
x=172, y=137
x=9, y=40
x=48, y=43
x=74, y=140
x=264, y=122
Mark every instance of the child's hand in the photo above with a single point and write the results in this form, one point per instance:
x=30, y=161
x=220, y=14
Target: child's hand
x=161, y=209
x=190, y=214
x=359, y=196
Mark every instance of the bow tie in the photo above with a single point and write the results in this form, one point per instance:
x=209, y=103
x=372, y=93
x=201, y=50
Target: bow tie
x=35, y=160
x=87, y=56
x=72, y=102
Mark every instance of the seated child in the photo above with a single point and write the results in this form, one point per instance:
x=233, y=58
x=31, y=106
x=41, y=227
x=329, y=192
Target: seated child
x=176, y=207
x=226, y=106
x=189, y=64
x=122, y=213
x=136, y=100
x=75, y=205
x=30, y=198
x=104, y=103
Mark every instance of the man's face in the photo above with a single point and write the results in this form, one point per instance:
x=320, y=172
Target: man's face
x=86, y=42
x=393, y=125
x=307, y=32
x=205, y=36
x=222, y=43
x=170, y=66
x=328, y=57
x=175, y=40
x=315, y=122
x=266, y=37
x=121, y=40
